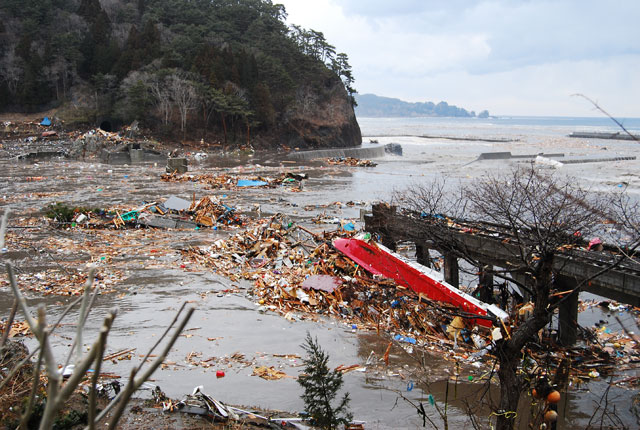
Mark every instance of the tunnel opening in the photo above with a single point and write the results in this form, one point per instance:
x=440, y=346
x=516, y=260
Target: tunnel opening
x=106, y=126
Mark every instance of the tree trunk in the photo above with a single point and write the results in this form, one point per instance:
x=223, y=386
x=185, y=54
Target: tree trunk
x=224, y=128
x=422, y=255
x=510, y=350
x=486, y=284
x=509, y=390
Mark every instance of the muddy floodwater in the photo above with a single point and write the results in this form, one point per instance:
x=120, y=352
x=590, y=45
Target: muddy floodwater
x=229, y=329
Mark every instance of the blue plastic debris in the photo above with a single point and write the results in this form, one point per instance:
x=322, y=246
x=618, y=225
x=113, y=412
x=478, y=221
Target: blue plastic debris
x=410, y=386
x=407, y=339
x=349, y=227
x=431, y=400
x=46, y=121
x=251, y=183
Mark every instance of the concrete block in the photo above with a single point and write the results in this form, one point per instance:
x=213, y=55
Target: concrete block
x=137, y=155
x=177, y=165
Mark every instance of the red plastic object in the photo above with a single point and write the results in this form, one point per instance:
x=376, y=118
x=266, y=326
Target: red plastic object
x=219, y=374
x=381, y=262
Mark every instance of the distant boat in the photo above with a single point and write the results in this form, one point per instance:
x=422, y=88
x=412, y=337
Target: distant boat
x=379, y=260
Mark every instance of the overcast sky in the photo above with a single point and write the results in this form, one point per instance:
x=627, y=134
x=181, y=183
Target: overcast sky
x=517, y=57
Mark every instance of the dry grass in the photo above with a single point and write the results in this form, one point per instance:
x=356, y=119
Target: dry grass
x=16, y=391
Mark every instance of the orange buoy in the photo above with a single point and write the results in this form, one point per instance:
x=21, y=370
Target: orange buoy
x=550, y=416
x=553, y=397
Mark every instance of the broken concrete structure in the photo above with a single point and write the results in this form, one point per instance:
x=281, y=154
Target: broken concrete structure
x=130, y=153
x=178, y=165
x=369, y=152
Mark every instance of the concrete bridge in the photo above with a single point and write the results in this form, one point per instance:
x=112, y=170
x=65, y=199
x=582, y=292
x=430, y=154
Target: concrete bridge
x=494, y=247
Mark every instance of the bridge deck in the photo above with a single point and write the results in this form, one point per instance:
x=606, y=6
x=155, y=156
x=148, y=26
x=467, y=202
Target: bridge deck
x=492, y=246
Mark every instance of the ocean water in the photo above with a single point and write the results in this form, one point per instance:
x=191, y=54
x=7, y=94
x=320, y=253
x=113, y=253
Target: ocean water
x=516, y=126
x=450, y=147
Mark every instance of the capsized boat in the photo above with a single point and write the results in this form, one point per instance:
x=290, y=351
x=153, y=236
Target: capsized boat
x=380, y=260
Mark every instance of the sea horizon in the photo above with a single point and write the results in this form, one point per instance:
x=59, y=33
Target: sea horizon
x=495, y=125
x=507, y=116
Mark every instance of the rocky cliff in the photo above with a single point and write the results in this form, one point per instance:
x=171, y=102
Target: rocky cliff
x=321, y=119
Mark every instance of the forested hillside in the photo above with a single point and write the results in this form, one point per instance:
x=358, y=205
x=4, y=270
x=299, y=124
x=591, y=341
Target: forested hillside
x=229, y=68
x=371, y=105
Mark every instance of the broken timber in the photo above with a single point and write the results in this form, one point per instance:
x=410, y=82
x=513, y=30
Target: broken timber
x=379, y=260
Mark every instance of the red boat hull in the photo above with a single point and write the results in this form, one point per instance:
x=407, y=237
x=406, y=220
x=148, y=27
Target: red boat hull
x=379, y=261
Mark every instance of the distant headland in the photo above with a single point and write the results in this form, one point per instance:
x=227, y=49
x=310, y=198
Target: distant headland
x=371, y=105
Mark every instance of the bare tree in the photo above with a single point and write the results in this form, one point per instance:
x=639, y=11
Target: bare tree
x=11, y=71
x=540, y=216
x=161, y=95
x=626, y=231
x=183, y=93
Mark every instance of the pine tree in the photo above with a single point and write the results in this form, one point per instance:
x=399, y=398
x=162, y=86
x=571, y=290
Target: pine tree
x=321, y=386
x=265, y=113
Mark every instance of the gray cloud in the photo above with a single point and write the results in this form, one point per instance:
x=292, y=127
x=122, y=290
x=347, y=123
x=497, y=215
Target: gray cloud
x=385, y=8
x=542, y=32
x=519, y=33
x=508, y=56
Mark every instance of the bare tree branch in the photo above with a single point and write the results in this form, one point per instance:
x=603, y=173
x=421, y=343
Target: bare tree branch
x=121, y=400
x=34, y=389
x=618, y=123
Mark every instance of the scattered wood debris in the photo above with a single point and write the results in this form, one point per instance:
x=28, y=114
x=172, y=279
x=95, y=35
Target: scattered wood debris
x=298, y=274
x=350, y=161
x=225, y=181
x=269, y=373
x=18, y=329
x=174, y=213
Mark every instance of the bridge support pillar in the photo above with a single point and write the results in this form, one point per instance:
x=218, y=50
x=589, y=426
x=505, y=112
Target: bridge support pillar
x=486, y=284
x=389, y=243
x=451, y=270
x=568, y=313
x=422, y=255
